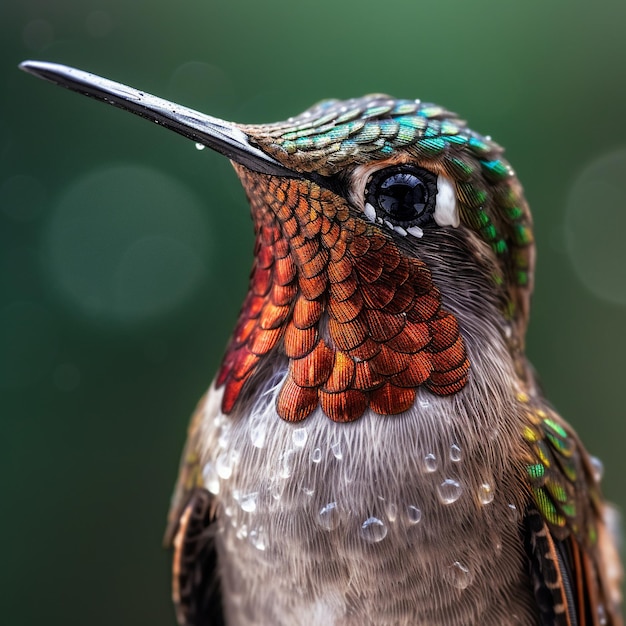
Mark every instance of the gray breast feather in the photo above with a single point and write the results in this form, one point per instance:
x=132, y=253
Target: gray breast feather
x=390, y=519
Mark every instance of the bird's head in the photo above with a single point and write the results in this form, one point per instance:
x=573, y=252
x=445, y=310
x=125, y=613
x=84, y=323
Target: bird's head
x=387, y=235
x=397, y=233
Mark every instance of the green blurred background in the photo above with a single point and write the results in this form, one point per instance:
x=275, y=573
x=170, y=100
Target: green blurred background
x=125, y=251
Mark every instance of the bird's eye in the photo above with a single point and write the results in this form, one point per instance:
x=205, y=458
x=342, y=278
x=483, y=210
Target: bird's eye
x=403, y=195
x=407, y=198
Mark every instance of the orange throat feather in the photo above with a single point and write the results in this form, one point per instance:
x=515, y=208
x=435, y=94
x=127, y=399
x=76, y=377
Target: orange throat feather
x=361, y=324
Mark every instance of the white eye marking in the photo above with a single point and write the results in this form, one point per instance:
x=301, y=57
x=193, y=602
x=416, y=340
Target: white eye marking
x=446, y=210
x=370, y=212
x=416, y=231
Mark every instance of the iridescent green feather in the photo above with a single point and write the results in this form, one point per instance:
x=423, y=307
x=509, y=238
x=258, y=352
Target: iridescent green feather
x=335, y=134
x=559, y=476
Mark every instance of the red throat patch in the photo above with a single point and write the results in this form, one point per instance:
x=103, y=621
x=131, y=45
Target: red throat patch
x=361, y=324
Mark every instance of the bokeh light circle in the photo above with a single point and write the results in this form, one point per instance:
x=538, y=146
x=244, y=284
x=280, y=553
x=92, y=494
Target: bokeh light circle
x=595, y=227
x=127, y=243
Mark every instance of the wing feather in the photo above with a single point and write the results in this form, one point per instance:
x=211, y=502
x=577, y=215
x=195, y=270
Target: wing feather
x=190, y=532
x=565, y=538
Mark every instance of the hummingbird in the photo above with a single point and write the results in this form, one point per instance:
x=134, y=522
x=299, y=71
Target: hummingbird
x=375, y=448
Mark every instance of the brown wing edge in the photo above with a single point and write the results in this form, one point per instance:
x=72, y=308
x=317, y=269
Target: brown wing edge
x=190, y=533
x=571, y=588
x=545, y=572
x=195, y=584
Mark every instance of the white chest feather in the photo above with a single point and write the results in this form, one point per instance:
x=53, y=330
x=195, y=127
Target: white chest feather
x=390, y=519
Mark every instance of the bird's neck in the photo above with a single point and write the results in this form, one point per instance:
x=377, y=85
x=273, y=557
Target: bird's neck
x=358, y=332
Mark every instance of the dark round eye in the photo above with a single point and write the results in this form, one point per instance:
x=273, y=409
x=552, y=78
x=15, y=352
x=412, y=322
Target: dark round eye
x=404, y=195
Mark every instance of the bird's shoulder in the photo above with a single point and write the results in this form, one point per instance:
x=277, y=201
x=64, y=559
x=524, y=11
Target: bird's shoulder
x=570, y=545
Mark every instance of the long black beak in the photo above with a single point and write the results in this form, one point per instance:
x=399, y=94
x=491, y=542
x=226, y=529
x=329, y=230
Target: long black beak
x=224, y=137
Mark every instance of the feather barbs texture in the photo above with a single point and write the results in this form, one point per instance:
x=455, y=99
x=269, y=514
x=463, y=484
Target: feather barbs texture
x=561, y=477
x=334, y=136
x=575, y=561
x=361, y=323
